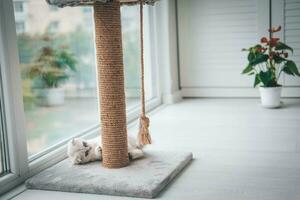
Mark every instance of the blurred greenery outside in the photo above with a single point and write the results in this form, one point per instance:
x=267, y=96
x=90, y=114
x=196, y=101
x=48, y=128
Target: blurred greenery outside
x=46, y=126
x=31, y=45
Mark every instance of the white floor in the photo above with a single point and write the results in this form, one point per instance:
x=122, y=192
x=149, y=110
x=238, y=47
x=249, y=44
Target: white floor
x=241, y=151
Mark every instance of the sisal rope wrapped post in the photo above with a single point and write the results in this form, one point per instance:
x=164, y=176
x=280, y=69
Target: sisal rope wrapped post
x=144, y=137
x=110, y=70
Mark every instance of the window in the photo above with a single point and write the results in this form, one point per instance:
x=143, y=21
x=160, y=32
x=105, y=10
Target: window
x=4, y=164
x=131, y=56
x=130, y=27
x=19, y=6
x=86, y=9
x=57, y=62
x=20, y=27
x=60, y=103
x=53, y=27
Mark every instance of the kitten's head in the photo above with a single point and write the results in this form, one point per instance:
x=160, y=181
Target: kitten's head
x=78, y=150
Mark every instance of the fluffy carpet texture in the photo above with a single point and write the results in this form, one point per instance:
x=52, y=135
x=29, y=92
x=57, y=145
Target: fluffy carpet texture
x=143, y=178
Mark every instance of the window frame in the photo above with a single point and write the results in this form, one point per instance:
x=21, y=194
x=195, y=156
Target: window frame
x=4, y=159
x=21, y=165
x=20, y=24
x=13, y=103
x=21, y=3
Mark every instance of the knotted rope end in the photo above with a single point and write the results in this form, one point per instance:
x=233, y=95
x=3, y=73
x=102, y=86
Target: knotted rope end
x=144, y=136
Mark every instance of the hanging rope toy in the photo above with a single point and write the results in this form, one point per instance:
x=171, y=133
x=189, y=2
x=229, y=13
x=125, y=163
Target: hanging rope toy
x=144, y=137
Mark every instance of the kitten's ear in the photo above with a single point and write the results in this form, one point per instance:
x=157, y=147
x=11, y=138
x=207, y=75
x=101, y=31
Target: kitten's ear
x=73, y=141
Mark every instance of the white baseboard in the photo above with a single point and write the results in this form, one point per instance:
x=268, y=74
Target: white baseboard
x=291, y=92
x=173, y=97
x=234, y=92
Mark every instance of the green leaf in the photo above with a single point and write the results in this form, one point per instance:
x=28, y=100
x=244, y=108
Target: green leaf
x=260, y=58
x=292, y=67
x=253, y=52
x=66, y=59
x=282, y=46
x=251, y=56
x=251, y=73
x=248, y=69
x=287, y=71
x=257, y=46
x=265, y=77
x=278, y=59
x=256, y=81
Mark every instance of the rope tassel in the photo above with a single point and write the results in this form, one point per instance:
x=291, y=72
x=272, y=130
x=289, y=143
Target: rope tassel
x=144, y=137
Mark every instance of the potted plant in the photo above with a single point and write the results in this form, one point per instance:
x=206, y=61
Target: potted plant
x=49, y=71
x=267, y=61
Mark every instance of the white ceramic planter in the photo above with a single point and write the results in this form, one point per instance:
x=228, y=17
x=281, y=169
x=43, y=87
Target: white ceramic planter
x=50, y=96
x=270, y=96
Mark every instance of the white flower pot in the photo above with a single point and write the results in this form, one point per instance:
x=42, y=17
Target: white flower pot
x=50, y=96
x=270, y=96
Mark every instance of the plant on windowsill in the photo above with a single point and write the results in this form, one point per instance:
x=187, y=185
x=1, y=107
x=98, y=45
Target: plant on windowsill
x=267, y=61
x=51, y=69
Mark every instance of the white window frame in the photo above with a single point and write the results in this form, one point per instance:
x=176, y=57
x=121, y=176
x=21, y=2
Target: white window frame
x=22, y=5
x=21, y=166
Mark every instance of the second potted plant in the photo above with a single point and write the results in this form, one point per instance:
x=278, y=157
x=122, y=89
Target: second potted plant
x=50, y=70
x=267, y=61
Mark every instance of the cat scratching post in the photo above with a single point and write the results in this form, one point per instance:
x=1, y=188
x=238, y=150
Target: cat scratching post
x=92, y=177
x=110, y=69
x=111, y=83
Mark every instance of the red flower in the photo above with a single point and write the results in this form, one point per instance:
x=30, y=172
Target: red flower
x=271, y=55
x=264, y=40
x=274, y=30
x=273, y=42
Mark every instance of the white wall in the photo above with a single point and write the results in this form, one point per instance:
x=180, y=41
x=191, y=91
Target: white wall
x=291, y=20
x=166, y=45
x=211, y=36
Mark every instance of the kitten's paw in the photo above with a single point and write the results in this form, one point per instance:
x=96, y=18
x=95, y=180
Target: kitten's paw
x=135, y=154
x=99, y=152
x=76, y=161
x=99, y=149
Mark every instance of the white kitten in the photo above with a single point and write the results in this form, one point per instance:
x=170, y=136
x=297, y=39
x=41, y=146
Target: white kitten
x=82, y=151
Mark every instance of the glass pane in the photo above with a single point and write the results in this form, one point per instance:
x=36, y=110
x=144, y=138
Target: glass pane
x=57, y=61
x=130, y=38
x=18, y=6
x=131, y=56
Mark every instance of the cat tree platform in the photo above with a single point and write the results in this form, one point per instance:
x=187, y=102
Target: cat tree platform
x=143, y=178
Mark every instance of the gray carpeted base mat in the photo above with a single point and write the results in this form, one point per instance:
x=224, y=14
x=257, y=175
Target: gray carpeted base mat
x=143, y=178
